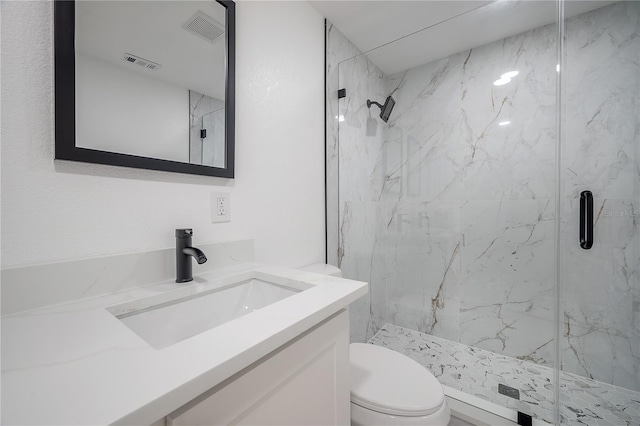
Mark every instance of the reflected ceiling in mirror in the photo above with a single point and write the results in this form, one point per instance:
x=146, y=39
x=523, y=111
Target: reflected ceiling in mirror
x=152, y=86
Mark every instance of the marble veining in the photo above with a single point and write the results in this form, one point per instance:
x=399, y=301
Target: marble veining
x=339, y=49
x=449, y=210
x=478, y=372
x=600, y=153
x=363, y=247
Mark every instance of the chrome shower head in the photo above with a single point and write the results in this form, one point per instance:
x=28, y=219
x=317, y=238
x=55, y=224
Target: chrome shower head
x=385, y=110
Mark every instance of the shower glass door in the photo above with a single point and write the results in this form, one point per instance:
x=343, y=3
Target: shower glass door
x=213, y=142
x=448, y=209
x=600, y=153
x=463, y=210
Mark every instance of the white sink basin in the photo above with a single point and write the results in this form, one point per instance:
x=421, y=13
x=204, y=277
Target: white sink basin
x=170, y=322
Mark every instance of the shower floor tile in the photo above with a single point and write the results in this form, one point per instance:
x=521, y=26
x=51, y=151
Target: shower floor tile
x=479, y=372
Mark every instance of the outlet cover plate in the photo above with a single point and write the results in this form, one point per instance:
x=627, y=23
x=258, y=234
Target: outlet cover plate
x=220, y=207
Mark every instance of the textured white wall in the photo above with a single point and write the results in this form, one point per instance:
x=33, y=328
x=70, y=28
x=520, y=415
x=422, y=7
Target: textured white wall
x=54, y=210
x=120, y=110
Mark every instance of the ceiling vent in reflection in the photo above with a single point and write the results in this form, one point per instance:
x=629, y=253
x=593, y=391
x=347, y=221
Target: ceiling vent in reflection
x=145, y=63
x=204, y=26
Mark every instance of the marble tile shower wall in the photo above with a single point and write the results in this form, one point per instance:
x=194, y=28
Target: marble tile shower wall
x=362, y=230
x=602, y=138
x=338, y=49
x=213, y=145
x=471, y=211
x=450, y=216
x=212, y=110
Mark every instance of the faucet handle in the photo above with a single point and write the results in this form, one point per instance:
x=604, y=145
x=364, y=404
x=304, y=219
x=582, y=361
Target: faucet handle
x=184, y=233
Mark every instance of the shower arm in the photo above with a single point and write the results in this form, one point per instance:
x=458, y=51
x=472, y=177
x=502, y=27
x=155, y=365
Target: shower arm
x=369, y=103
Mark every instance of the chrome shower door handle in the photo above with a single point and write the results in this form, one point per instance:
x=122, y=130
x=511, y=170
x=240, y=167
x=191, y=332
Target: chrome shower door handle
x=586, y=220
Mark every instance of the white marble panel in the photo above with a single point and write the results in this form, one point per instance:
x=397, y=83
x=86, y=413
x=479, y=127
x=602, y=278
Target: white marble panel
x=201, y=152
x=358, y=325
x=451, y=182
x=603, y=353
x=602, y=92
x=603, y=276
x=338, y=49
x=515, y=160
x=424, y=124
x=507, y=287
x=364, y=164
x=363, y=326
x=602, y=295
x=363, y=257
x=213, y=146
x=423, y=257
x=507, y=245
x=601, y=89
x=364, y=159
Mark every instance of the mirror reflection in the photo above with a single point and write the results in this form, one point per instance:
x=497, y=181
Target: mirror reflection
x=150, y=79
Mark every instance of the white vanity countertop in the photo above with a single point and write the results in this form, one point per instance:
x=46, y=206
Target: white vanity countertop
x=77, y=364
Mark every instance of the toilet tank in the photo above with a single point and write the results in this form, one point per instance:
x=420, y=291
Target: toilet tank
x=324, y=269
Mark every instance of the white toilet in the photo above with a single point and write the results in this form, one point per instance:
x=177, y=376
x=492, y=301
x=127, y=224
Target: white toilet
x=389, y=388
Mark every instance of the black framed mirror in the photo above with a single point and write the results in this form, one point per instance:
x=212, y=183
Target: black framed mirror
x=146, y=84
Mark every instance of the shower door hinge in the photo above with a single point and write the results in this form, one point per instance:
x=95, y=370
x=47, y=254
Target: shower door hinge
x=342, y=93
x=203, y=133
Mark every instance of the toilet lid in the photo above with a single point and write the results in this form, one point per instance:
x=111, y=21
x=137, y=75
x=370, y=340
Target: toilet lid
x=389, y=382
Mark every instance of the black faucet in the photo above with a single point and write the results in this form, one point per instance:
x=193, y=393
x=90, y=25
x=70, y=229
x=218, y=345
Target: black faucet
x=184, y=251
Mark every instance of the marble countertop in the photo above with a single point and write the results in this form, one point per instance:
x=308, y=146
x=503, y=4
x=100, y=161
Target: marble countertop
x=76, y=363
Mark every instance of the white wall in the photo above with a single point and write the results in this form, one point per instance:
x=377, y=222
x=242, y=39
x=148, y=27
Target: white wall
x=54, y=210
x=124, y=111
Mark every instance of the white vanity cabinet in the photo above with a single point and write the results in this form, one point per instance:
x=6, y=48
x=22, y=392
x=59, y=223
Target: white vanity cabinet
x=304, y=382
x=285, y=363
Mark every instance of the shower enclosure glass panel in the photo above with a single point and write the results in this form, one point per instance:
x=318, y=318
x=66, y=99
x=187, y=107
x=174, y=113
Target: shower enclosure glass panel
x=462, y=211
x=207, y=131
x=213, y=142
x=600, y=309
x=448, y=210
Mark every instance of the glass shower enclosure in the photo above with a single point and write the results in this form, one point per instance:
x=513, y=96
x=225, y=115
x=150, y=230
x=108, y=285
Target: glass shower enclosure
x=212, y=138
x=496, y=213
x=206, y=130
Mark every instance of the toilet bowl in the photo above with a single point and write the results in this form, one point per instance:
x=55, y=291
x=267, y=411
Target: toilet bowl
x=389, y=388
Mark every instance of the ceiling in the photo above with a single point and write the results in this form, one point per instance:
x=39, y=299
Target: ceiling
x=424, y=31
x=106, y=30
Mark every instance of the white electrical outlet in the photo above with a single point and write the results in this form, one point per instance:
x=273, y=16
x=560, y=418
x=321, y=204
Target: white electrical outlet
x=220, y=207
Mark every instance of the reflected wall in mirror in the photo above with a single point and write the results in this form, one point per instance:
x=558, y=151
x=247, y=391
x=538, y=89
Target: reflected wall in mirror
x=146, y=84
x=206, y=137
